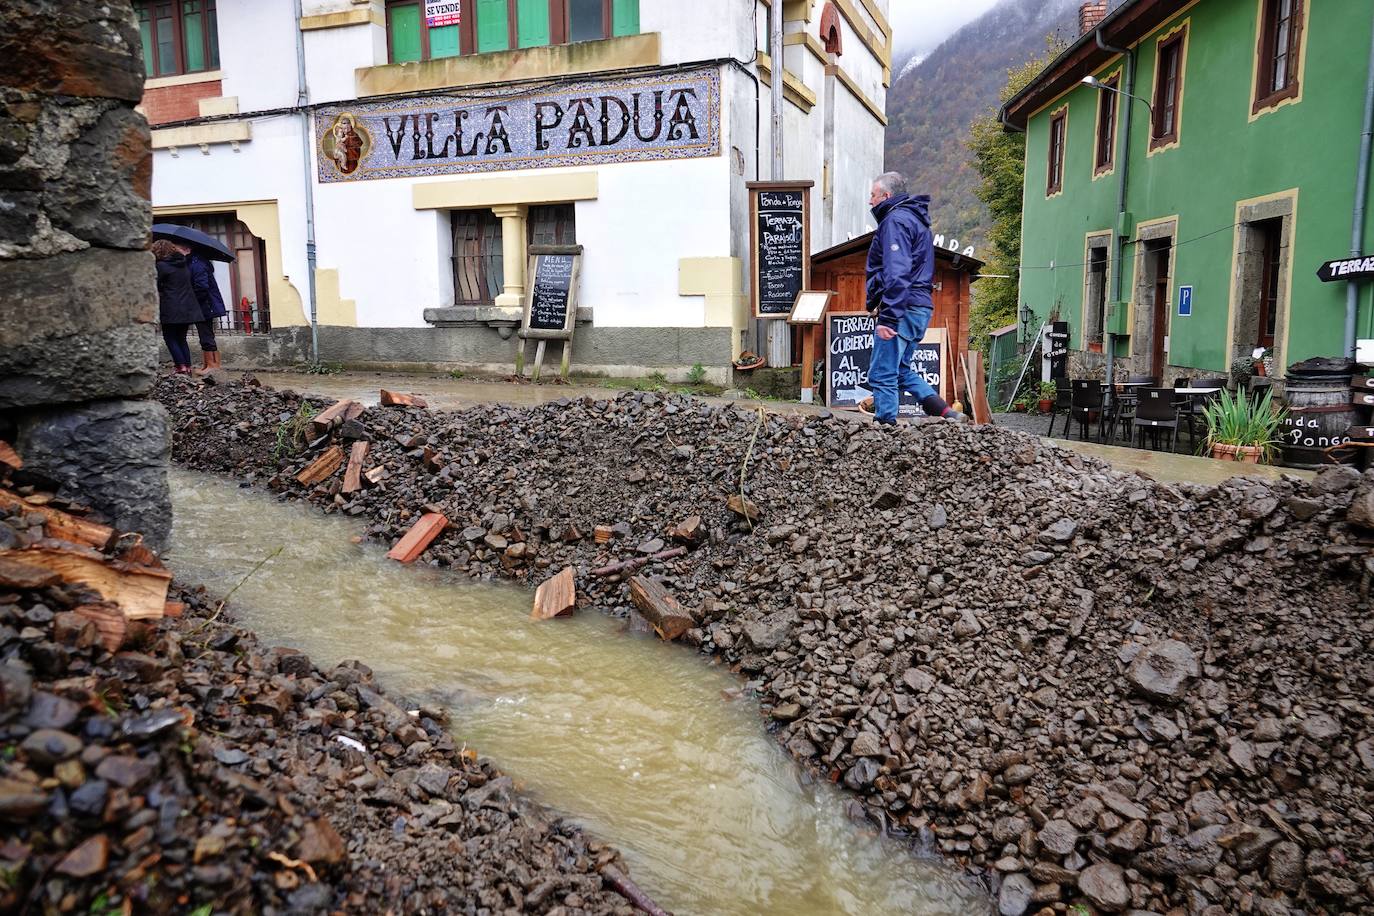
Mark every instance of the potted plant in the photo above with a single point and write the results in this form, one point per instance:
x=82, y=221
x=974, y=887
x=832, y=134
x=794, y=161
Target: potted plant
x=1048, y=392
x=1240, y=429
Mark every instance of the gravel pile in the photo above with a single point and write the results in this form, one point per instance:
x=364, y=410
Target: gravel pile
x=196, y=772
x=1090, y=688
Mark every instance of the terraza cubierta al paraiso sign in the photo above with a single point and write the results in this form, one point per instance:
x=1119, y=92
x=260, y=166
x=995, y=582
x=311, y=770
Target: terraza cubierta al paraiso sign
x=637, y=119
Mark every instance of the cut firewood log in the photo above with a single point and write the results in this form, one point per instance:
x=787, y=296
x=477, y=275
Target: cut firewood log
x=690, y=530
x=743, y=507
x=9, y=456
x=556, y=596
x=18, y=574
x=602, y=533
x=340, y=410
x=396, y=399
x=61, y=525
x=668, y=618
x=140, y=591
x=139, y=555
x=322, y=468
x=353, y=475
x=109, y=621
x=418, y=538
x=375, y=476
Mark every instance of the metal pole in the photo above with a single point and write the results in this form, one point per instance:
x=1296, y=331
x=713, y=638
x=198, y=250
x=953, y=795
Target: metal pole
x=779, y=331
x=307, y=164
x=1123, y=172
x=1352, y=290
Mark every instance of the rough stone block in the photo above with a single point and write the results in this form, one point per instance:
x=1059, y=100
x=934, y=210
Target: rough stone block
x=109, y=455
x=76, y=49
x=102, y=194
x=76, y=327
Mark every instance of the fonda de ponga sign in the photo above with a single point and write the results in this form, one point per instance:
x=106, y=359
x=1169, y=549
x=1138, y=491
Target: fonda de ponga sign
x=665, y=116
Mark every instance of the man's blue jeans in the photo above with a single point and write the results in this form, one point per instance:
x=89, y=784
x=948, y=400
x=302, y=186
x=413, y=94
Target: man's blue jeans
x=890, y=370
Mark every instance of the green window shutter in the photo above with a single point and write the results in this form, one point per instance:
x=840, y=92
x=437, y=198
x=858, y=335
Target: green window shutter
x=145, y=31
x=193, y=35
x=625, y=17
x=443, y=42
x=493, y=28
x=405, y=33
x=533, y=24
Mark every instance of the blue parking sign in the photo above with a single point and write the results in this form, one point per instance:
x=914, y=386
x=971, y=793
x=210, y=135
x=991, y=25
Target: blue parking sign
x=1185, y=301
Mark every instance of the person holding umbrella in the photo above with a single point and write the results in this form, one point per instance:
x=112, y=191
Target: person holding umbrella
x=200, y=250
x=177, y=305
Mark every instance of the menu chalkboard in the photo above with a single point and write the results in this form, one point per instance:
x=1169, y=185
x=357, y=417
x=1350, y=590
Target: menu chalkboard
x=551, y=300
x=781, y=254
x=849, y=350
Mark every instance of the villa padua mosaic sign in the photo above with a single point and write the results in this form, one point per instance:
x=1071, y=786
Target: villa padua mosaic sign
x=657, y=117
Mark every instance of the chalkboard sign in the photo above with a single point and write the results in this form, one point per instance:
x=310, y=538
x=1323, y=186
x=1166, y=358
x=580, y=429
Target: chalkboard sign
x=780, y=244
x=1057, y=349
x=551, y=298
x=849, y=350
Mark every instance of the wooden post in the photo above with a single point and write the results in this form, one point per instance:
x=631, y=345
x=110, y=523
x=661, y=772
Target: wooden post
x=556, y=596
x=668, y=618
x=418, y=538
x=353, y=475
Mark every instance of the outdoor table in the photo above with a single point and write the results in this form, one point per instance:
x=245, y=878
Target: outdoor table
x=1189, y=392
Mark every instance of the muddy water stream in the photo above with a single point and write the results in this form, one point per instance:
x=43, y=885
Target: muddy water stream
x=645, y=744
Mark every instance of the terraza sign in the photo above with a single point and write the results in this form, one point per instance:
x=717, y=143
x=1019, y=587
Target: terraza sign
x=595, y=121
x=1347, y=269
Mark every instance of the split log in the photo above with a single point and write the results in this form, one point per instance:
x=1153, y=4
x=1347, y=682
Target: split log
x=602, y=533
x=138, y=555
x=622, y=885
x=353, y=475
x=339, y=410
x=139, y=591
x=418, y=538
x=690, y=530
x=322, y=468
x=629, y=566
x=109, y=621
x=9, y=456
x=396, y=399
x=18, y=574
x=61, y=525
x=743, y=507
x=556, y=596
x=668, y=618
x=375, y=476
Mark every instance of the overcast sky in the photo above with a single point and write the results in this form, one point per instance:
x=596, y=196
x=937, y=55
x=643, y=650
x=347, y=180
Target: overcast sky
x=920, y=25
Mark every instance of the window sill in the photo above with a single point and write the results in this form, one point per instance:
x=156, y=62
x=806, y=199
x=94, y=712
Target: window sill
x=202, y=135
x=499, y=317
x=624, y=53
x=183, y=79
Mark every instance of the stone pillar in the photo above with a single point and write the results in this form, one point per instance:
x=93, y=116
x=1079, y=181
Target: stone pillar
x=78, y=296
x=513, y=254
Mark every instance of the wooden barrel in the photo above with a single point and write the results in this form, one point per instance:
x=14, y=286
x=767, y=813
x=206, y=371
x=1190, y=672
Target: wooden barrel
x=1320, y=414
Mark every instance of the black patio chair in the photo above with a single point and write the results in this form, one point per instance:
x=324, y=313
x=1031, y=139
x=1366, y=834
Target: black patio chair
x=1122, y=411
x=1063, y=404
x=1085, y=405
x=1156, y=410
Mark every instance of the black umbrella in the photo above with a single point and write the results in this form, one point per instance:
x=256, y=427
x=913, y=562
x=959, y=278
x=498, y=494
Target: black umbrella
x=214, y=248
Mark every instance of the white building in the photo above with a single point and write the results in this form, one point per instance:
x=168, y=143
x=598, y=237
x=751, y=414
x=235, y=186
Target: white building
x=431, y=157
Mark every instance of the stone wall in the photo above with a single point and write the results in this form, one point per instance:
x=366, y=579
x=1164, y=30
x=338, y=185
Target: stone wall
x=78, y=298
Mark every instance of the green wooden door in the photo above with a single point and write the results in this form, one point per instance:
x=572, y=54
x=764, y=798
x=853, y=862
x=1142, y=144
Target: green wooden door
x=625, y=17
x=533, y=23
x=443, y=42
x=493, y=26
x=405, y=33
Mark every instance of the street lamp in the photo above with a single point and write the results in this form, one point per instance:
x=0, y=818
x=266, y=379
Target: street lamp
x=1098, y=84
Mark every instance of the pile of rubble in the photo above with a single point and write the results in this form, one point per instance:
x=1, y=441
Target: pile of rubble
x=1090, y=687
x=159, y=760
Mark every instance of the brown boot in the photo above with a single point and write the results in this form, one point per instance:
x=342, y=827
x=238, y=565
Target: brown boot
x=211, y=359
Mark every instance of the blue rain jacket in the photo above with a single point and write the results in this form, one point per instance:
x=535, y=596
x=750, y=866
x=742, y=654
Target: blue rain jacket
x=901, y=259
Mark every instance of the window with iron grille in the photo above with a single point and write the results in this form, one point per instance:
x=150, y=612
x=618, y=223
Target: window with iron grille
x=477, y=262
x=179, y=36
x=500, y=25
x=554, y=224
x=1168, y=90
x=1280, y=44
x=242, y=284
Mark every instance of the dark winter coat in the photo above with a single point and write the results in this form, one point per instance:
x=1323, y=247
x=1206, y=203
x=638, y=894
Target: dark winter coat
x=901, y=259
x=176, y=293
x=207, y=290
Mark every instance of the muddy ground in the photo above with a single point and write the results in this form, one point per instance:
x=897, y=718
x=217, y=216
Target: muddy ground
x=1093, y=689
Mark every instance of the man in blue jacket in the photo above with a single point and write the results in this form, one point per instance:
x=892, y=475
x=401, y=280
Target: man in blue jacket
x=901, y=265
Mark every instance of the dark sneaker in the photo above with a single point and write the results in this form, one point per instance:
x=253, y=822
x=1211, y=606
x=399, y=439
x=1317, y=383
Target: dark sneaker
x=955, y=416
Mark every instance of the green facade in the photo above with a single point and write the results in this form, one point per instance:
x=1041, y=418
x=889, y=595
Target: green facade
x=1304, y=151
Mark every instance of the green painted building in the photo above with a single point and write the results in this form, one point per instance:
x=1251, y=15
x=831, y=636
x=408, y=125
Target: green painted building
x=1185, y=226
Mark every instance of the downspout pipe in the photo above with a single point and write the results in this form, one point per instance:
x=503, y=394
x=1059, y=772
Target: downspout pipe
x=1123, y=170
x=307, y=160
x=1352, y=290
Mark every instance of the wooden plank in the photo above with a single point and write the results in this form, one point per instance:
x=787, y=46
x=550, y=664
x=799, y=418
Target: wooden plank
x=1362, y=381
x=9, y=456
x=62, y=526
x=982, y=410
x=109, y=621
x=322, y=467
x=339, y=410
x=556, y=596
x=353, y=475
x=1363, y=398
x=418, y=538
x=396, y=399
x=140, y=591
x=668, y=618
